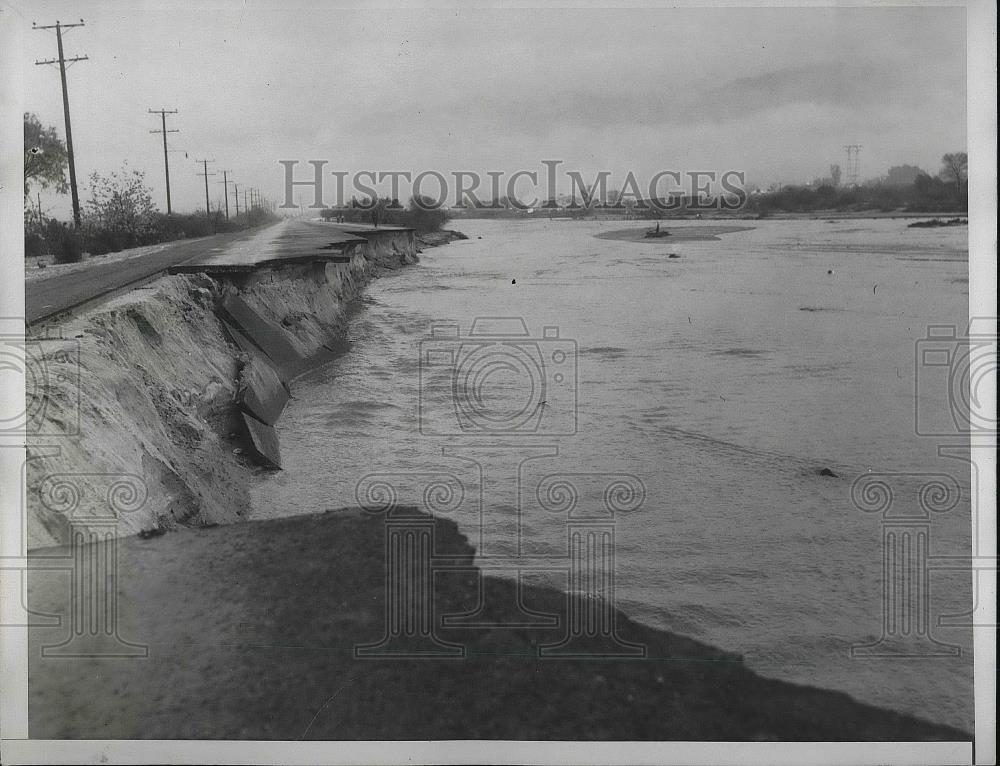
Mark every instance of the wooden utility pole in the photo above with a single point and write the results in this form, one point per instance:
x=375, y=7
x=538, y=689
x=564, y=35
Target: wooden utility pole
x=166, y=162
x=63, y=61
x=225, y=188
x=204, y=164
x=236, y=194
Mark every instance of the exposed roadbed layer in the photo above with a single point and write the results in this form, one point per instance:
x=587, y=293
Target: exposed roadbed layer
x=677, y=233
x=251, y=631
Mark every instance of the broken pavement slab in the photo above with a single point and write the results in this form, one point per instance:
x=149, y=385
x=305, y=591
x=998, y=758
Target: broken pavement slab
x=272, y=339
x=250, y=348
x=261, y=392
x=289, y=243
x=263, y=442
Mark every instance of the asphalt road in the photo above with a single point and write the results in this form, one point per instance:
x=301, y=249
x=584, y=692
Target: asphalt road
x=53, y=295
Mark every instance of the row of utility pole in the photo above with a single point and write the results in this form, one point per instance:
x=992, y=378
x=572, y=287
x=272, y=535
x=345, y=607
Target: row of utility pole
x=255, y=201
x=252, y=199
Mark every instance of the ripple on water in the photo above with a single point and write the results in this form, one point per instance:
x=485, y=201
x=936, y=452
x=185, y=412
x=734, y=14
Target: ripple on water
x=724, y=395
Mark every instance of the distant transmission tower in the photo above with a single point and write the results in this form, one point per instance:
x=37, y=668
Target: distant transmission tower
x=853, y=164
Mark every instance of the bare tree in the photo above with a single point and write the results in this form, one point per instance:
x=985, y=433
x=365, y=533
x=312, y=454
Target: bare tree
x=955, y=168
x=120, y=211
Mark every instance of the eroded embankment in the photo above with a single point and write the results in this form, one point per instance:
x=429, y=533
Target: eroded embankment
x=166, y=397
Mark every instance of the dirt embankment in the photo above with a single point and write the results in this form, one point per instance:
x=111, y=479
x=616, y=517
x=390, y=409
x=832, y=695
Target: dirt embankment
x=146, y=399
x=251, y=632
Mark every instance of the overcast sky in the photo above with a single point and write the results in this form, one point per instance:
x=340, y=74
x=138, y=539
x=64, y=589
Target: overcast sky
x=776, y=93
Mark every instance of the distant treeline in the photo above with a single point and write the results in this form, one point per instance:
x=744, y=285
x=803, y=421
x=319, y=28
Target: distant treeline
x=906, y=188
x=925, y=195
x=423, y=217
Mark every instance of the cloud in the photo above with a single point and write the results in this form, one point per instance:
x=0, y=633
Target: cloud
x=666, y=102
x=779, y=89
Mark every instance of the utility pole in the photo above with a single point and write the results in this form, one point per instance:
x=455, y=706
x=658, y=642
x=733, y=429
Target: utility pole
x=166, y=163
x=225, y=187
x=204, y=164
x=63, y=61
x=236, y=193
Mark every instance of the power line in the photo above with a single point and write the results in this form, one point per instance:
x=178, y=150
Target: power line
x=63, y=61
x=204, y=164
x=166, y=162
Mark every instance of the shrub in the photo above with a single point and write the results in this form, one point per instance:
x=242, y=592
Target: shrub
x=120, y=211
x=34, y=244
x=49, y=236
x=182, y=226
x=117, y=230
x=423, y=216
x=68, y=248
x=98, y=241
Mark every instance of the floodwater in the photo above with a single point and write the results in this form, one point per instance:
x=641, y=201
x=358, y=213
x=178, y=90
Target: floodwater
x=713, y=387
